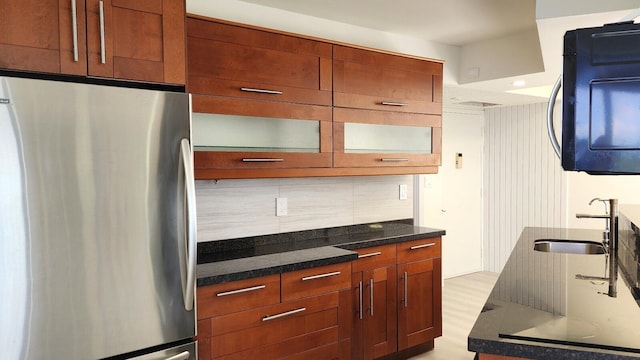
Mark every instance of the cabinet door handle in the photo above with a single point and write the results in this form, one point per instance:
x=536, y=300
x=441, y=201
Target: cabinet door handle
x=261, y=91
x=239, y=291
x=394, y=159
x=369, y=254
x=393, y=103
x=360, y=315
x=74, y=29
x=262, y=160
x=371, y=297
x=103, y=56
x=287, y=313
x=320, y=276
x=416, y=247
x=406, y=288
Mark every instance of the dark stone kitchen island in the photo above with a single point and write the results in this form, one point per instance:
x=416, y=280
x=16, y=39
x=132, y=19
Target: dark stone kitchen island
x=539, y=309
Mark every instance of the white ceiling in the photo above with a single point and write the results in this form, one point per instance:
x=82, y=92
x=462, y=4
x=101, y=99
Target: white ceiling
x=452, y=22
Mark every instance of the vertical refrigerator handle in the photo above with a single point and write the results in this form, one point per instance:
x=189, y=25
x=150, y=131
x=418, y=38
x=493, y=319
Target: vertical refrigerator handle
x=190, y=243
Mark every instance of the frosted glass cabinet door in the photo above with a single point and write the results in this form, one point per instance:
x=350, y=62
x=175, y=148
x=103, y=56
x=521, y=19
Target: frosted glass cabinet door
x=365, y=138
x=219, y=132
x=390, y=139
x=231, y=133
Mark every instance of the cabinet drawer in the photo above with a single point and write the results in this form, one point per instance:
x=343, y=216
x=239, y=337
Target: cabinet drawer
x=375, y=257
x=274, y=326
x=317, y=280
x=419, y=250
x=237, y=296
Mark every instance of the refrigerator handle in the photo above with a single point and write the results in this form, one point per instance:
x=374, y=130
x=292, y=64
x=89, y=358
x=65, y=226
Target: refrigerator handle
x=190, y=243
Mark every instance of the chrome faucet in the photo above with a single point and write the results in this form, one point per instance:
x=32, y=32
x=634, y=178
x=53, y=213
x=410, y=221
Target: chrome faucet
x=611, y=215
x=609, y=241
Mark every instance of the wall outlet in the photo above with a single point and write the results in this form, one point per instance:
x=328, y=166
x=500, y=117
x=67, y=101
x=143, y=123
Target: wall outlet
x=402, y=192
x=281, y=206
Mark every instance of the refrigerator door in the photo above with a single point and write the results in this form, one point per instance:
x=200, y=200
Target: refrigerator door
x=93, y=220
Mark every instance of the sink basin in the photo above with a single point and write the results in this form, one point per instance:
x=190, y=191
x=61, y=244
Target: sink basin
x=569, y=246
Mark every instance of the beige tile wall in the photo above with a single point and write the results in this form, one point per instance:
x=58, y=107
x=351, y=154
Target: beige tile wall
x=237, y=208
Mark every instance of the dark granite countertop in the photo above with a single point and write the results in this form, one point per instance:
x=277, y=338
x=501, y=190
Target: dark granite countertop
x=538, y=309
x=236, y=259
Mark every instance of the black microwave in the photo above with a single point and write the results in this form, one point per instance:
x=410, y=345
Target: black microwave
x=601, y=100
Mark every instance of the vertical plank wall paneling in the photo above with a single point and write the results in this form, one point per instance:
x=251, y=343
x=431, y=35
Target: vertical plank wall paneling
x=524, y=184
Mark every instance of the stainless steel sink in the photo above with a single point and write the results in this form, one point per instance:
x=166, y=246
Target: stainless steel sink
x=569, y=246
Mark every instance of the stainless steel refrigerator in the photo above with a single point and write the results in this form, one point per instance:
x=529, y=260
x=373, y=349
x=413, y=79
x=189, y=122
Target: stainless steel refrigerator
x=97, y=222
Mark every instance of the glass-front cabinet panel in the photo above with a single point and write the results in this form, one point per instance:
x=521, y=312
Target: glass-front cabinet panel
x=369, y=138
x=362, y=138
x=221, y=132
x=232, y=134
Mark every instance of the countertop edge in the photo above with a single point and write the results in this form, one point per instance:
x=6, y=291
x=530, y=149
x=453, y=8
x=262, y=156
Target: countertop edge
x=532, y=350
x=244, y=268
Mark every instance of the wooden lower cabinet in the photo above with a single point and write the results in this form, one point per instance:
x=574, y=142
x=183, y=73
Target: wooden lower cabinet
x=420, y=305
x=375, y=330
x=419, y=292
x=311, y=322
x=374, y=303
x=277, y=331
x=385, y=305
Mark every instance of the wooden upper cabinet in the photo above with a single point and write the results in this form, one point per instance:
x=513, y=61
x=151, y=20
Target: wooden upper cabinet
x=122, y=39
x=229, y=60
x=387, y=111
x=137, y=40
x=371, y=80
x=38, y=36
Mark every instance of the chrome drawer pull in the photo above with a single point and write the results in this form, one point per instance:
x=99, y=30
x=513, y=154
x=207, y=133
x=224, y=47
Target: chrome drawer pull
x=406, y=288
x=262, y=160
x=393, y=103
x=371, y=296
x=262, y=91
x=421, y=246
x=239, y=291
x=74, y=29
x=273, y=317
x=103, y=58
x=321, y=276
x=394, y=159
x=360, y=315
x=370, y=254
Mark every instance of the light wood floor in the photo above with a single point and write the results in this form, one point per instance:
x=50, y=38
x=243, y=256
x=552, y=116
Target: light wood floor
x=462, y=300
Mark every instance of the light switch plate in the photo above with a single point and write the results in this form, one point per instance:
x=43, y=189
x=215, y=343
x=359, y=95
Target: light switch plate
x=403, y=192
x=281, y=206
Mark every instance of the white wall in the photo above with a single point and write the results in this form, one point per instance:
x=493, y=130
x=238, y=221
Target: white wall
x=511, y=55
x=230, y=209
x=451, y=199
x=523, y=181
x=584, y=187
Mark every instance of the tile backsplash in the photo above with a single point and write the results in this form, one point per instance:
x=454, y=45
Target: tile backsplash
x=238, y=208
